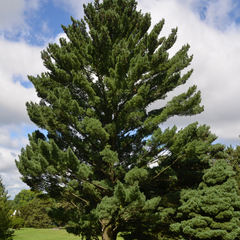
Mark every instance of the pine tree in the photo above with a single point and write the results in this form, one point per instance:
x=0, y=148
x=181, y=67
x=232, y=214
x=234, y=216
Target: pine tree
x=212, y=211
x=102, y=137
x=234, y=160
x=5, y=218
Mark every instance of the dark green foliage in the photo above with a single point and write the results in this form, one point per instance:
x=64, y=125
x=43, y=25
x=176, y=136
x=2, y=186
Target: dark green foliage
x=212, y=211
x=5, y=217
x=36, y=212
x=32, y=209
x=61, y=212
x=22, y=198
x=102, y=138
x=17, y=222
x=234, y=160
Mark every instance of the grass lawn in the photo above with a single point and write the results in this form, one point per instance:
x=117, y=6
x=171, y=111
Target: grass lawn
x=46, y=234
x=40, y=234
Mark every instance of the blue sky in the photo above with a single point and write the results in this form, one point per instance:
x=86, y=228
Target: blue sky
x=211, y=27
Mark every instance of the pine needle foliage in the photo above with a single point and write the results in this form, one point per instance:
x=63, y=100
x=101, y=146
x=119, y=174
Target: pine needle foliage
x=212, y=211
x=5, y=214
x=103, y=139
x=234, y=160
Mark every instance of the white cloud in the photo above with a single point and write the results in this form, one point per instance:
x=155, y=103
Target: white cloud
x=11, y=141
x=216, y=13
x=216, y=63
x=9, y=173
x=45, y=27
x=20, y=58
x=75, y=7
x=13, y=15
x=17, y=59
x=7, y=163
x=13, y=97
x=56, y=39
x=13, y=184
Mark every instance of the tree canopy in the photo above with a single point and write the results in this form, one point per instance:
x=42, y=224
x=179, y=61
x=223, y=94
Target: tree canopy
x=5, y=217
x=212, y=211
x=105, y=151
x=32, y=208
x=233, y=159
x=22, y=198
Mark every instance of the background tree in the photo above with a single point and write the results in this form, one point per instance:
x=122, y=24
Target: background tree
x=234, y=160
x=5, y=217
x=36, y=212
x=22, y=198
x=212, y=211
x=193, y=151
x=32, y=207
x=102, y=136
x=17, y=222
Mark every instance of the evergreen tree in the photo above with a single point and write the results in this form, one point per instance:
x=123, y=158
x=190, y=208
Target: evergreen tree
x=212, y=211
x=102, y=138
x=61, y=212
x=234, y=160
x=5, y=218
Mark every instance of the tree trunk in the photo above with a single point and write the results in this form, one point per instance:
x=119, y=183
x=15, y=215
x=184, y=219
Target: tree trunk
x=107, y=231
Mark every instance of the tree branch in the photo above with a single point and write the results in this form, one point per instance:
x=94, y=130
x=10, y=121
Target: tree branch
x=166, y=168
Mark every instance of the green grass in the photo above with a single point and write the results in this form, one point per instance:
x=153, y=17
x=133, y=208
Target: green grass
x=40, y=234
x=46, y=234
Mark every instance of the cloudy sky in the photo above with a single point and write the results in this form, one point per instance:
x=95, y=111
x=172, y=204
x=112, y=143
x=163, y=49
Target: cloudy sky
x=211, y=27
